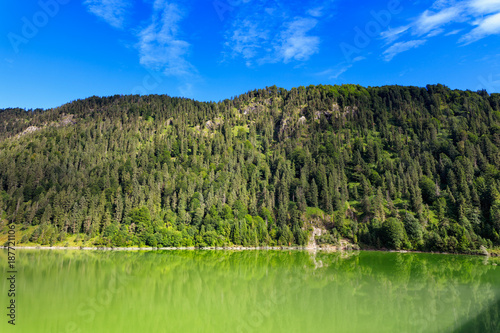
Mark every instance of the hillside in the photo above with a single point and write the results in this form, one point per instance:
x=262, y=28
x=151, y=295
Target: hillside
x=385, y=167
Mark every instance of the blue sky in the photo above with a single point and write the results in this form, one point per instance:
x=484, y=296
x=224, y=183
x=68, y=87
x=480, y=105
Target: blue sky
x=56, y=51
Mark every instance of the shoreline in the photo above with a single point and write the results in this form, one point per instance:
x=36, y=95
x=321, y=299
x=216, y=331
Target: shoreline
x=237, y=248
x=226, y=248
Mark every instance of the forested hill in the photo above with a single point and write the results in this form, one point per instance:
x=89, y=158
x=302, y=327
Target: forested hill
x=386, y=167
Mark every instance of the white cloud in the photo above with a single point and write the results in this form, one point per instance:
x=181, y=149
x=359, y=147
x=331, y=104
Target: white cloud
x=434, y=33
x=485, y=27
x=261, y=42
x=269, y=32
x=429, y=21
x=295, y=43
x=397, y=48
x=247, y=38
x=440, y=4
x=485, y=6
x=160, y=47
x=315, y=12
x=453, y=32
x=359, y=58
x=339, y=69
x=111, y=11
x=392, y=35
x=474, y=19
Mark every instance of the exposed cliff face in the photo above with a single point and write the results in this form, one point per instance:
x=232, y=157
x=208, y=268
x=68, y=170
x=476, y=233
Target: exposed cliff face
x=314, y=242
x=64, y=120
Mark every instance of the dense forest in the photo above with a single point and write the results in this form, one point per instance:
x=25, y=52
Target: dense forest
x=384, y=167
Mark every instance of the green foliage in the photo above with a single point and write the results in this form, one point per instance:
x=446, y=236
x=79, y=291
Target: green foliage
x=393, y=233
x=413, y=230
x=428, y=189
x=495, y=214
x=139, y=220
x=161, y=171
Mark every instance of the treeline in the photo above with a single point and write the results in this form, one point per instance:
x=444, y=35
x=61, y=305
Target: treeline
x=394, y=167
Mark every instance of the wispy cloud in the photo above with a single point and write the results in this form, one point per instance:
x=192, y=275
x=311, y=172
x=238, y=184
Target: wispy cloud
x=247, y=39
x=315, y=12
x=295, y=42
x=160, y=46
x=397, y=48
x=453, y=32
x=392, y=35
x=478, y=13
x=473, y=19
x=485, y=27
x=429, y=21
x=269, y=33
x=340, y=71
x=342, y=67
x=485, y=6
x=112, y=11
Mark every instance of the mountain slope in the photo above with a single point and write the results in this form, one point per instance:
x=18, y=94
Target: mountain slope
x=386, y=167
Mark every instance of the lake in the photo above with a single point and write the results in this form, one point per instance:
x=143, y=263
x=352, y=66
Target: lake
x=251, y=291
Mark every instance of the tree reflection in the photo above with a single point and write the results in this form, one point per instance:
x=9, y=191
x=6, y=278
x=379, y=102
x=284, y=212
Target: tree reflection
x=257, y=291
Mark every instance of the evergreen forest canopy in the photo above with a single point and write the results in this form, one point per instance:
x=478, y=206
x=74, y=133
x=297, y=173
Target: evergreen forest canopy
x=385, y=167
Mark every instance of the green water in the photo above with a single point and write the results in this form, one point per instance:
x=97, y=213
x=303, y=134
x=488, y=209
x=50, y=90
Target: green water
x=251, y=291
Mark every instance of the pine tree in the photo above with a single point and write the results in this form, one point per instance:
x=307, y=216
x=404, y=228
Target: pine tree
x=313, y=196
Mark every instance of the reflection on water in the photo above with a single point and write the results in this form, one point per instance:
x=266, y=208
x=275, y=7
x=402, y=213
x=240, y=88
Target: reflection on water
x=487, y=320
x=253, y=291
